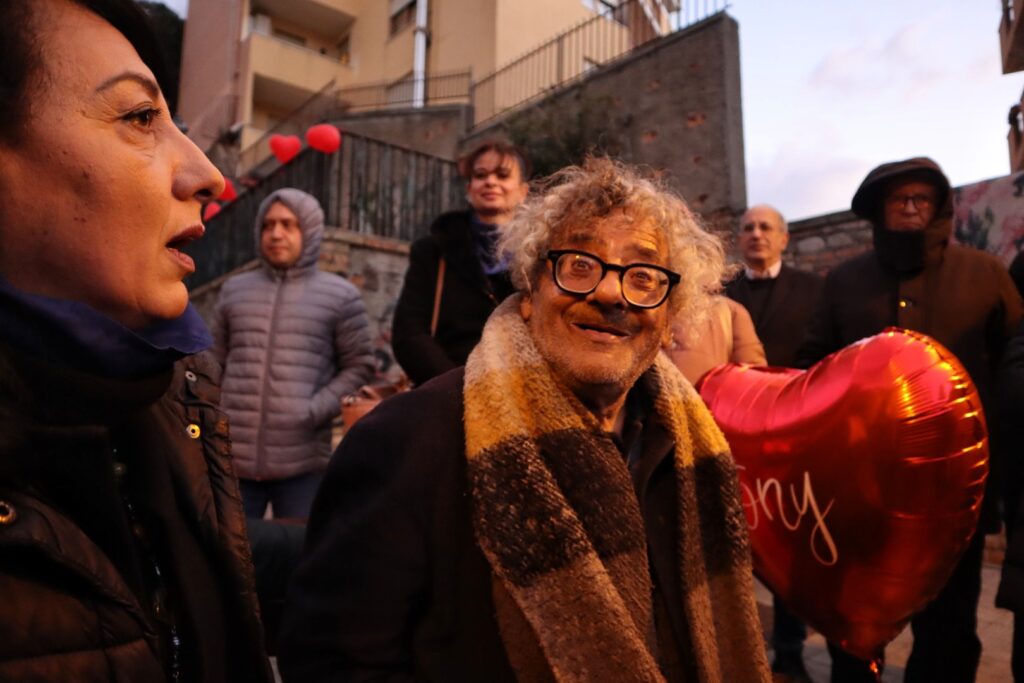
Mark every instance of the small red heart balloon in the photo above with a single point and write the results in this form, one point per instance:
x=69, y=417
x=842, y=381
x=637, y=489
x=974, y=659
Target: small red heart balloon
x=285, y=147
x=324, y=138
x=861, y=478
x=211, y=210
x=229, y=194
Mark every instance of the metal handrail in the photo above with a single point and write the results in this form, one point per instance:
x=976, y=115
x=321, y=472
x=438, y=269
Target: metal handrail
x=307, y=113
x=366, y=187
x=439, y=88
x=333, y=101
x=612, y=33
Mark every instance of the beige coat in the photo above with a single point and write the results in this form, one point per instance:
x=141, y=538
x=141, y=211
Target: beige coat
x=728, y=337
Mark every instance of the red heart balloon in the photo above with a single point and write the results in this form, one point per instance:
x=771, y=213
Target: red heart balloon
x=861, y=478
x=229, y=194
x=324, y=138
x=211, y=210
x=285, y=147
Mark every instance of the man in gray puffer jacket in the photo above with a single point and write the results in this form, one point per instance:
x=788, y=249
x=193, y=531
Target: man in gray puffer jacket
x=292, y=341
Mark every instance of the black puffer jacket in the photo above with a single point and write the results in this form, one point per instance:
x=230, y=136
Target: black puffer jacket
x=962, y=297
x=467, y=300
x=76, y=605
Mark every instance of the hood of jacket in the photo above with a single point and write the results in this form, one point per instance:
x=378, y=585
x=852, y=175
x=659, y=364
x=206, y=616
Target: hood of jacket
x=906, y=251
x=311, y=221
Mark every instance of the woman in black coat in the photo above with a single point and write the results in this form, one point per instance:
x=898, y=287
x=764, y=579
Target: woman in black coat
x=123, y=554
x=430, y=338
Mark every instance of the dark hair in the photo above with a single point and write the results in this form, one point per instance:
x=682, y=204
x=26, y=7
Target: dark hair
x=22, y=58
x=502, y=149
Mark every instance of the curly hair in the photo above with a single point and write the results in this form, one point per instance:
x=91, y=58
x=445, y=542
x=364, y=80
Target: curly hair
x=579, y=195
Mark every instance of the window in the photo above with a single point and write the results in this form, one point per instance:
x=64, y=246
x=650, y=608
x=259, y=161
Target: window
x=403, y=13
x=344, y=49
x=611, y=9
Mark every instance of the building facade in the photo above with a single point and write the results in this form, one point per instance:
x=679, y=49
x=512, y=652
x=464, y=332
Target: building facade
x=1011, y=44
x=248, y=64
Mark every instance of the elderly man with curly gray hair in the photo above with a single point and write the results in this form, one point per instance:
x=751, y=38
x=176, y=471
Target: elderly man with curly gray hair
x=562, y=508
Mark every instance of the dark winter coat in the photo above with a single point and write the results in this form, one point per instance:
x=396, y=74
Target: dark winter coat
x=292, y=343
x=780, y=326
x=1011, y=587
x=73, y=607
x=962, y=297
x=467, y=300
x=417, y=605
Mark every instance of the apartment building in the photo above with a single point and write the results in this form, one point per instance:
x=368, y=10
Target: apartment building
x=247, y=64
x=1011, y=43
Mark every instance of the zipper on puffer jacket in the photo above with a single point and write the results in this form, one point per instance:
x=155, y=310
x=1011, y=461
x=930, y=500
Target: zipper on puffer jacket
x=271, y=333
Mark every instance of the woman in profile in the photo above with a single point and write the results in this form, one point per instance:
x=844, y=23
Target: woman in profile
x=123, y=554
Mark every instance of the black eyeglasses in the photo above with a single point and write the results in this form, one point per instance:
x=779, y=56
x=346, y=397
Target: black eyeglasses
x=643, y=285
x=918, y=201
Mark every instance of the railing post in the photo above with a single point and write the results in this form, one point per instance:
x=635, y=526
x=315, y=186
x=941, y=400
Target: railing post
x=472, y=101
x=560, y=60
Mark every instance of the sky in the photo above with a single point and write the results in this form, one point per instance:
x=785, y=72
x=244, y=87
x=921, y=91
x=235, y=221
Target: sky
x=832, y=89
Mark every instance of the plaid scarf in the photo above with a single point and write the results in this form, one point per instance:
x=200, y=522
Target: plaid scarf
x=555, y=513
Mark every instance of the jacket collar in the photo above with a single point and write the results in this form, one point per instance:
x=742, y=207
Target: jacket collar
x=72, y=335
x=453, y=234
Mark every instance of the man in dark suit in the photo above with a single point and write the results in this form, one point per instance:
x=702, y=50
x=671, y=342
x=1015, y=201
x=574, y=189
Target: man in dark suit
x=780, y=300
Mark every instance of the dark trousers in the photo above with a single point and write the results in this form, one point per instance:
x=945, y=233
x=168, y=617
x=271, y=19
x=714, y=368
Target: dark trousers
x=276, y=549
x=946, y=644
x=292, y=497
x=788, y=634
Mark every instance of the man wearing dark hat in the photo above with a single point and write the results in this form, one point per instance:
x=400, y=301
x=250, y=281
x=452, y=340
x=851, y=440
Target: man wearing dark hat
x=964, y=298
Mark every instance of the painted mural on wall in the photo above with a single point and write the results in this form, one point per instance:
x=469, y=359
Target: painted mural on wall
x=989, y=215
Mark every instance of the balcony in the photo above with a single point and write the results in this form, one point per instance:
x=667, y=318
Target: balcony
x=1011, y=36
x=327, y=17
x=287, y=74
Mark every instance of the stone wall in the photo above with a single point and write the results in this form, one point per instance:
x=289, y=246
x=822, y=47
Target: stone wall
x=375, y=265
x=817, y=244
x=433, y=130
x=673, y=105
x=987, y=215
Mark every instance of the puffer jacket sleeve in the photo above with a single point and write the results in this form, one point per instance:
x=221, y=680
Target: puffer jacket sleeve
x=354, y=355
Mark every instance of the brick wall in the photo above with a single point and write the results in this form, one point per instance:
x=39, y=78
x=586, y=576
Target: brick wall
x=817, y=244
